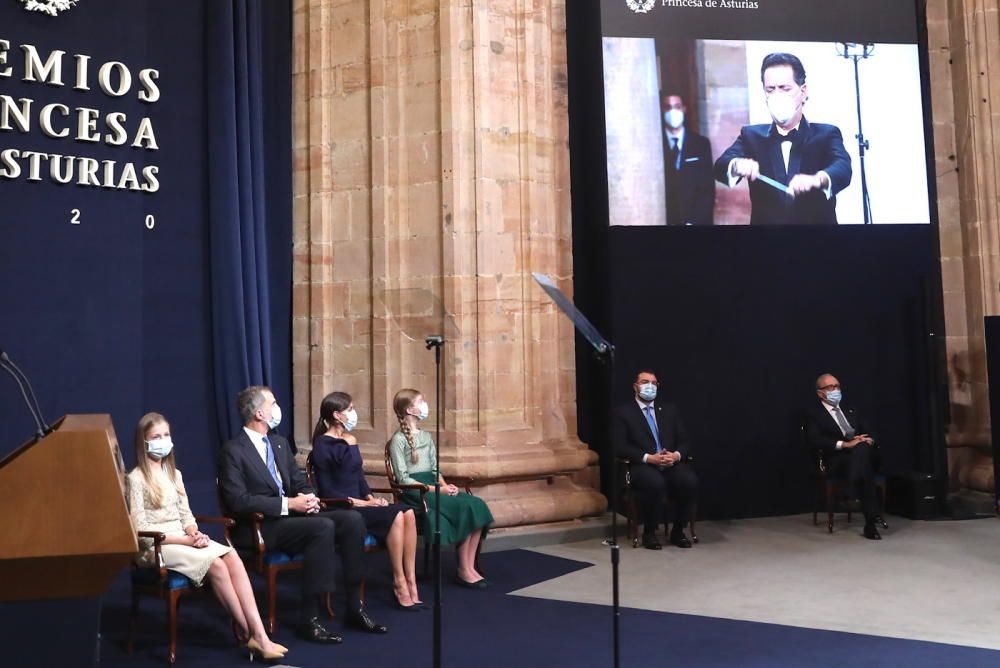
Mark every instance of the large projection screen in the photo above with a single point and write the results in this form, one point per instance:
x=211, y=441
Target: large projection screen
x=852, y=87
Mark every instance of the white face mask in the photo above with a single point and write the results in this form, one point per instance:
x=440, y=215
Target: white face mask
x=160, y=447
x=647, y=391
x=424, y=411
x=350, y=420
x=275, y=416
x=674, y=118
x=782, y=108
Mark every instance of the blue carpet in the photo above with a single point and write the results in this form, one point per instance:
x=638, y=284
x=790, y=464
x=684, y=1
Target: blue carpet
x=489, y=629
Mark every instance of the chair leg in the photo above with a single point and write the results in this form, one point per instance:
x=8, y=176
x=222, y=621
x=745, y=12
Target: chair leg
x=361, y=592
x=694, y=514
x=328, y=599
x=272, y=600
x=829, y=508
x=172, y=600
x=427, y=558
x=132, y=617
x=881, y=504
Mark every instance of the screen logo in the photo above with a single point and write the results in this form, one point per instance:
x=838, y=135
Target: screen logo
x=640, y=6
x=50, y=7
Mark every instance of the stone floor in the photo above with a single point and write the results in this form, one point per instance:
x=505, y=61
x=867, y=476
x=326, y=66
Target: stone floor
x=934, y=581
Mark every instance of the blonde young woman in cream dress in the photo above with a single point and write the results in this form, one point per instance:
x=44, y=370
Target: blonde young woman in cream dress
x=158, y=502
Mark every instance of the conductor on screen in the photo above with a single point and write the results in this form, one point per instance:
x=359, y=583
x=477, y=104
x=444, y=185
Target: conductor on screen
x=795, y=168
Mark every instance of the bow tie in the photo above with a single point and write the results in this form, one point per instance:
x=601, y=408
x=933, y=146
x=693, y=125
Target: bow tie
x=792, y=136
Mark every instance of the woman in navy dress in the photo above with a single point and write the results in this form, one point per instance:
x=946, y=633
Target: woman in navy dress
x=339, y=472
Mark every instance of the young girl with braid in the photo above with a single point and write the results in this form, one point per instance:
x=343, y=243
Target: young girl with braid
x=464, y=518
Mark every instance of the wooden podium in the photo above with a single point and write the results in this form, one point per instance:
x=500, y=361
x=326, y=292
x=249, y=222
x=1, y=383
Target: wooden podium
x=65, y=531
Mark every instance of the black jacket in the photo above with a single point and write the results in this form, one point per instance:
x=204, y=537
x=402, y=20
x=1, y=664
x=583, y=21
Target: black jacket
x=632, y=435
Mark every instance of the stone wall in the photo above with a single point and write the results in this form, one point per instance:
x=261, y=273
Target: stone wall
x=431, y=179
x=962, y=47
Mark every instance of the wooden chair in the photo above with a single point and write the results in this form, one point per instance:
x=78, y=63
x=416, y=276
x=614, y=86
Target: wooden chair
x=263, y=561
x=371, y=543
x=830, y=488
x=169, y=586
x=632, y=512
x=399, y=489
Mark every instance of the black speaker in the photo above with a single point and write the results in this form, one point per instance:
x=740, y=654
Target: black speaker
x=993, y=376
x=913, y=494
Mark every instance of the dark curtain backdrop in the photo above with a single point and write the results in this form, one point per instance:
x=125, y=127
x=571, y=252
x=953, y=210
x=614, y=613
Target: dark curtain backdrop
x=249, y=149
x=110, y=317
x=738, y=322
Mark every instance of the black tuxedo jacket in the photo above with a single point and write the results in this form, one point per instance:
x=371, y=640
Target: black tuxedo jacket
x=247, y=486
x=819, y=147
x=633, y=437
x=822, y=430
x=690, y=189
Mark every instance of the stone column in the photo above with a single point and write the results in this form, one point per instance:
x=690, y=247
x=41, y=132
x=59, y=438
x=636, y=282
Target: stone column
x=963, y=46
x=431, y=178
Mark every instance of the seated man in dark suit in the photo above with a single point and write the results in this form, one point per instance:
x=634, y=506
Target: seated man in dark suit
x=808, y=158
x=687, y=158
x=841, y=434
x=651, y=435
x=258, y=474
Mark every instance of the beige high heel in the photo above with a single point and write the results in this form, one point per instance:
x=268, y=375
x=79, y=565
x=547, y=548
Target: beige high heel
x=257, y=650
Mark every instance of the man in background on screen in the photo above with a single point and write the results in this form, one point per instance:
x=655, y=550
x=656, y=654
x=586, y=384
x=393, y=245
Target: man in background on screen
x=807, y=159
x=840, y=433
x=650, y=434
x=687, y=158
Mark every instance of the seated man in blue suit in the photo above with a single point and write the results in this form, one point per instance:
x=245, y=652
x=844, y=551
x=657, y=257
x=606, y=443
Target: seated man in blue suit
x=651, y=435
x=808, y=158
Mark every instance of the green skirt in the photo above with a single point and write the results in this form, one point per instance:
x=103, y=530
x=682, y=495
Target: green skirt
x=460, y=515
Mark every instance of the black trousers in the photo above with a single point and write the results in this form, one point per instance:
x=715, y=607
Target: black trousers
x=653, y=486
x=317, y=537
x=857, y=466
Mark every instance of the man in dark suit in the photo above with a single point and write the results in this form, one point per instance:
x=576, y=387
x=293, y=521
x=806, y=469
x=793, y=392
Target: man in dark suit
x=841, y=434
x=687, y=158
x=808, y=158
x=651, y=435
x=258, y=474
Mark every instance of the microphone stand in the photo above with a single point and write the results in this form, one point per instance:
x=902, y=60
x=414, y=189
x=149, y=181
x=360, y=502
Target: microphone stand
x=42, y=428
x=436, y=341
x=851, y=51
x=606, y=353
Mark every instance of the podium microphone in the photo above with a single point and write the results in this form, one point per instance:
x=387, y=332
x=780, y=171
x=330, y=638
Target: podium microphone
x=22, y=382
x=434, y=341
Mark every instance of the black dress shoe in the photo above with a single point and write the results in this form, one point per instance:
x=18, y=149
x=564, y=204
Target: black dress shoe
x=313, y=631
x=871, y=533
x=879, y=522
x=680, y=540
x=650, y=542
x=362, y=622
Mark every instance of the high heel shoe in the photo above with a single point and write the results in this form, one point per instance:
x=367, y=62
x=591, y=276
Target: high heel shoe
x=413, y=607
x=257, y=650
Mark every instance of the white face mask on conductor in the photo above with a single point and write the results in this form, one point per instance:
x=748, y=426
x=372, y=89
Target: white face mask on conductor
x=781, y=107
